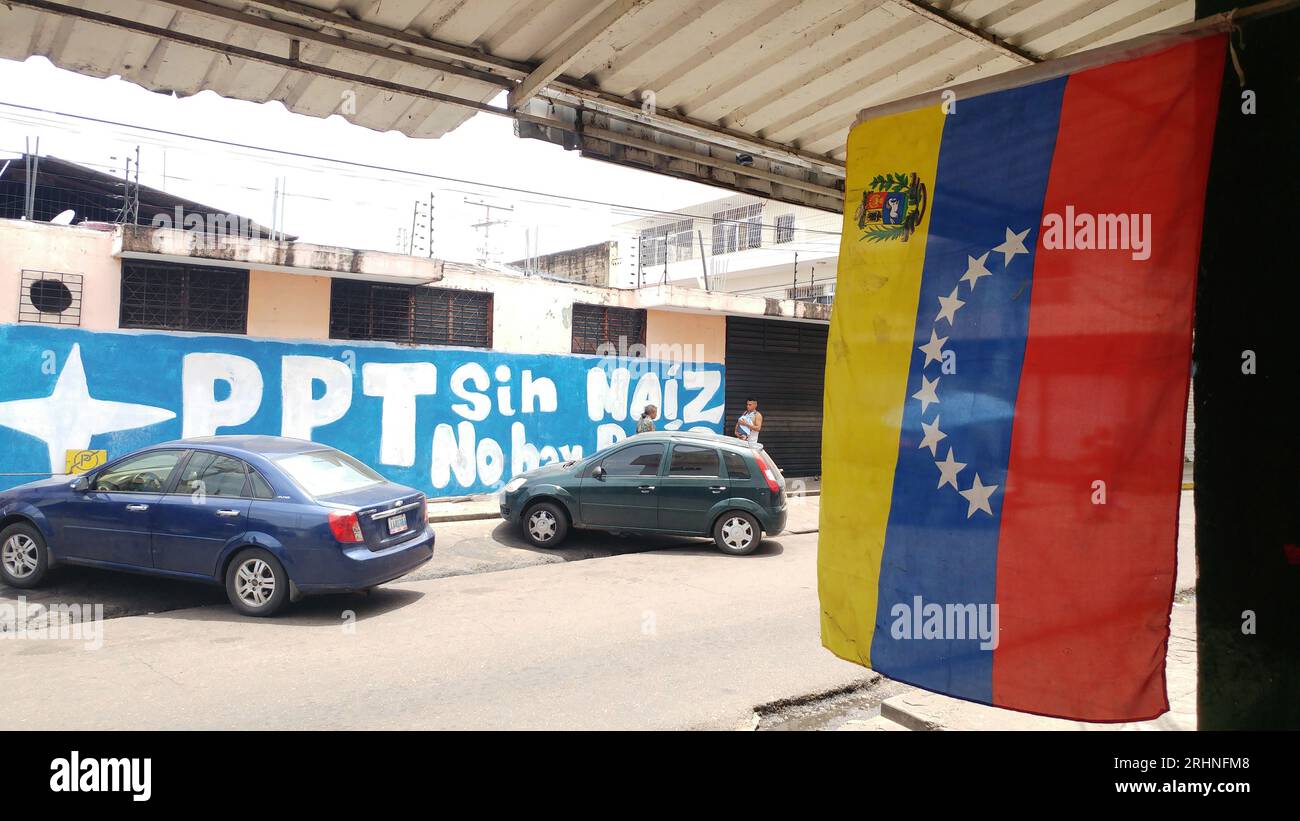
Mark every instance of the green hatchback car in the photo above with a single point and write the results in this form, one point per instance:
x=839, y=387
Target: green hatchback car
x=672, y=483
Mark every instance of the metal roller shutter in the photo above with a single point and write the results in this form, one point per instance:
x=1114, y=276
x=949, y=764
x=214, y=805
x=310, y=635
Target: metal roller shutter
x=783, y=365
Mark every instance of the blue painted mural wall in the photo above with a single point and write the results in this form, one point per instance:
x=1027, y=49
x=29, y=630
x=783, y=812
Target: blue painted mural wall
x=448, y=421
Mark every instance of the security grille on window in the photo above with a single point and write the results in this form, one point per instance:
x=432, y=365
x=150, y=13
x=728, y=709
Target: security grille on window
x=823, y=294
x=667, y=243
x=598, y=325
x=785, y=228
x=738, y=229
x=172, y=297
x=49, y=298
x=413, y=314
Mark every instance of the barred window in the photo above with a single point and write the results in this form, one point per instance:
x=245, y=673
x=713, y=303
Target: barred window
x=413, y=314
x=171, y=297
x=785, y=228
x=672, y=242
x=597, y=325
x=737, y=229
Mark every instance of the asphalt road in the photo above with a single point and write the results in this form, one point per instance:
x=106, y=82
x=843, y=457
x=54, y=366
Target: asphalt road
x=677, y=637
x=465, y=547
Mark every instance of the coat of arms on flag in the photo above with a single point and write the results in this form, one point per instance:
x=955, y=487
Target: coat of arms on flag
x=892, y=207
x=982, y=384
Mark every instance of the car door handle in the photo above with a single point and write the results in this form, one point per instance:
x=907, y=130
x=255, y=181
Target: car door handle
x=717, y=488
x=137, y=507
x=646, y=488
x=228, y=513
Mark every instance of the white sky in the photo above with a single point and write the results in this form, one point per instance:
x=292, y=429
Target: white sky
x=332, y=205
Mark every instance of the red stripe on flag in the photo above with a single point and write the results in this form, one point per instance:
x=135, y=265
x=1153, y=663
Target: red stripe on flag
x=1084, y=589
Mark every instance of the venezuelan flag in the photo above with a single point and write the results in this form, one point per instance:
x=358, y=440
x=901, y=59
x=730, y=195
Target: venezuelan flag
x=1006, y=384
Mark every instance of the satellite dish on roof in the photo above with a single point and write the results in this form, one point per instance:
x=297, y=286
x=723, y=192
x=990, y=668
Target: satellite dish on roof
x=64, y=217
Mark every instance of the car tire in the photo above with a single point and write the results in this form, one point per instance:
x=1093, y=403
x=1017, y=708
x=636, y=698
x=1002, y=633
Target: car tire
x=545, y=525
x=737, y=533
x=256, y=583
x=24, y=557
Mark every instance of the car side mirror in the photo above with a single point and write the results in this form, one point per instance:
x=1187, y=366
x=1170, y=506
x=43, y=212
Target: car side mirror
x=598, y=472
x=82, y=484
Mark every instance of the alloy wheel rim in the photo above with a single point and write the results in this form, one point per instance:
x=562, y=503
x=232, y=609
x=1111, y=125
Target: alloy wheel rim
x=736, y=533
x=20, y=556
x=255, y=582
x=542, y=525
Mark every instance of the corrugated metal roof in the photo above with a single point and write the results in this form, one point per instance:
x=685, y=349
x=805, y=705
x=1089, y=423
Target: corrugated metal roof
x=787, y=75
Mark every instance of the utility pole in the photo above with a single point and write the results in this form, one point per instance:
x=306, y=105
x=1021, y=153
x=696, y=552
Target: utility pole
x=485, y=251
x=129, y=212
x=33, y=161
x=422, y=227
x=704, y=265
x=640, y=255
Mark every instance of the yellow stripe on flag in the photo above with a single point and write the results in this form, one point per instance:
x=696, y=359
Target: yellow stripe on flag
x=867, y=360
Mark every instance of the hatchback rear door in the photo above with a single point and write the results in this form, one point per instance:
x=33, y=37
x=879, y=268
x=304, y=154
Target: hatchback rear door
x=693, y=485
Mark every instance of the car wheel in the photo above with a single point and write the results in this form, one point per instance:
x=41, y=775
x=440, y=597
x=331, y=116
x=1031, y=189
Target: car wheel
x=256, y=583
x=737, y=533
x=545, y=524
x=24, y=558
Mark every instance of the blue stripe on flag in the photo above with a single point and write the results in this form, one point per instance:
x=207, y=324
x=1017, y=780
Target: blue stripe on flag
x=992, y=176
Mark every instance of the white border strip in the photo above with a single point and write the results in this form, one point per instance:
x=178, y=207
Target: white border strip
x=1092, y=58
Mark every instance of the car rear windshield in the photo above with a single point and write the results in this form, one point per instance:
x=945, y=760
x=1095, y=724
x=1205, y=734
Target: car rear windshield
x=326, y=472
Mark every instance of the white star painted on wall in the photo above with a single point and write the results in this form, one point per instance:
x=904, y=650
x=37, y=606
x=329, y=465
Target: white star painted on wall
x=68, y=418
x=932, y=437
x=948, y=306
x=948, y=470
x=933, y=349
x=975, y=270
x=978, y=496
x=926, y=394
x=1015, y=244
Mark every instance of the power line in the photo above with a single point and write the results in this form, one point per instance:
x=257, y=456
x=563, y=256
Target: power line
x=373, y=167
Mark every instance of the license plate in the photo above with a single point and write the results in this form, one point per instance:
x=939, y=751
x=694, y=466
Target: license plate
x=396, y=524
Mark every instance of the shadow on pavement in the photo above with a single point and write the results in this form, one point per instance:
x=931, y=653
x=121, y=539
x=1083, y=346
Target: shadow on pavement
x=334, y=610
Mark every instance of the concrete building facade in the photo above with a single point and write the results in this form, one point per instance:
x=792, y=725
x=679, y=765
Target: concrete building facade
x=444, y=376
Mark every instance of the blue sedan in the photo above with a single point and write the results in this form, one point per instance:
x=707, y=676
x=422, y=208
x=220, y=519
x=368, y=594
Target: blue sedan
x=272, y=519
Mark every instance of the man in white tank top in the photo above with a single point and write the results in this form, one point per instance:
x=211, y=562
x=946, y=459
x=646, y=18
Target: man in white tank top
x=750, y=422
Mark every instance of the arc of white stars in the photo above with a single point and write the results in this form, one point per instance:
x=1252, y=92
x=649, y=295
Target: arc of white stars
x=1014, y=244
x=933, y=349
x=978, y=494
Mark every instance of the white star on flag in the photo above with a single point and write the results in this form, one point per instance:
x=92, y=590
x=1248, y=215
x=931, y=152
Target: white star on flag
x=948, y=470
x=933, y=349
x=926, y=394
x=948, y=306
x=975, y=270
x=932, y=437
x=67, y=418
x=978, y=496
x=1015, y=244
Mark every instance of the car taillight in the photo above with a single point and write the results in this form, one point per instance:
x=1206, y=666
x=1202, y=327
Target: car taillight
x=346, y=527
x=769, y=473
